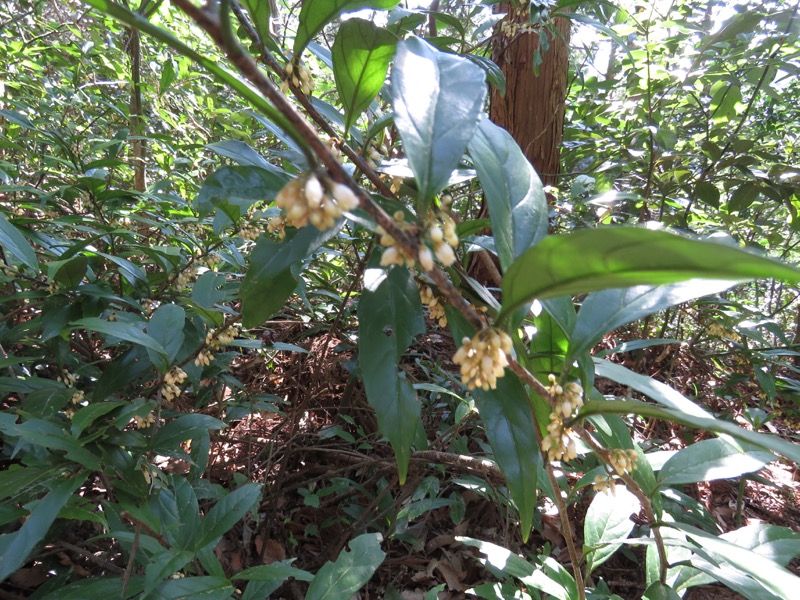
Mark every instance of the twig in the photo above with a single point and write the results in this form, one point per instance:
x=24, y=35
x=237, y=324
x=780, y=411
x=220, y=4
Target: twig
x=89, y=556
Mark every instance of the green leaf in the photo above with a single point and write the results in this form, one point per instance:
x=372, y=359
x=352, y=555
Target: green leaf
x=608, y=523
x=660, y=591
x=164, y=564
x=227, y=512
x=16, y=547
x=768, y=573
x=15, y=243
x=507, y=420
x=279, y=571
x=269, y=280
x=708, y=460
x=764, y=441
x=613, y=257
x=234, y=190
x=315, y=14
x=123, y=331
x=361, y=55
x=260, y=14
x=707, y=193
x=192, y=588
x=390, y=315
x=438, y=100
x=166, y=327
x=185, y=427
x=69, y=273
x=514, y=194
x=779, y=544
x=245, y=155
x=352, y=570
x=87, y=415
x=604, y=311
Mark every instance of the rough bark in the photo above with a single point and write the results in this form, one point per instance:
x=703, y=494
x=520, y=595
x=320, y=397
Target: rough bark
x=533, y=107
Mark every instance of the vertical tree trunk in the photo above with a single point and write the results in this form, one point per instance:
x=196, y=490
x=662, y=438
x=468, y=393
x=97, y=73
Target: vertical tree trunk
x=138, y=151
x=533, y=107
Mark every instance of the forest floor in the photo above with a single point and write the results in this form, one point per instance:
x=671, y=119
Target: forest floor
x=328, y=477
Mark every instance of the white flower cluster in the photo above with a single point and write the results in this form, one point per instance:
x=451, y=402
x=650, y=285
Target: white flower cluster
x=184, y=278
x=170, y=388
x=435, y=306
x=10, y=271
x=203, y=358
x=510, y=28
x=216, y=338
x=144, y=422
x=559, y=443
x=622, y=461
x=392, y=253
x=305, y=201
x=444, y=239
x=248, y=231
x=300, y=77
x=67, y=378
x=483, y=358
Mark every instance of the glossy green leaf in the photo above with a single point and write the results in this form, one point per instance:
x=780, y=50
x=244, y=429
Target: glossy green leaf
x=244, y=155
x=120, y=330
x=192, y=588
x=260, y=12
x=438, y=100
x=764, y=441
x=276, y=571
x=608, y=523
x=660, y=591
x=507, y=420
x=773, y=577
x=16, y=547
x=166, y=327
x=707, y=193
x=185, y=427
x=316, y=14
x=514, y=193
x=15, y=244
x=352, y=570
x=227, y=512
x=233, y=190
x=270, y=280
x=361, y=54
x=390, y=315
x=613, y=257
x=708, y=460
x=602, y=312
x=506, y=415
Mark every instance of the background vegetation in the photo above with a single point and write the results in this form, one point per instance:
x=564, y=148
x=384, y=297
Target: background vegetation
x=456, y=381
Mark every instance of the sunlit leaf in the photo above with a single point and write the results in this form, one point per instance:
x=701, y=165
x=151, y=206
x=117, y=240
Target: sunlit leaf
x=608, y=523
x=352, y=570
x=361, y=55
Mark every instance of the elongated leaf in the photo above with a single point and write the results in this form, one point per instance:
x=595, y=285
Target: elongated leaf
x=602, y=312
x=608, y=524
x=234, y=190
x=361, y=55
x=315, y=14
x=244, y=154
x=183, y=428
x=123, y=331
x=15, y=548
x=660, y=591
x=764, y=441
x=166, y=327
x=15, y=243
x=613, y=257
x=193, y=588
x=390, y=315
x=515, y=196
x=227, y=512
x=509, y=427
x=276, y=571
x=438, y=99
x=352, y=570
x=768, y=573
x=270, y=280
x=708, y=460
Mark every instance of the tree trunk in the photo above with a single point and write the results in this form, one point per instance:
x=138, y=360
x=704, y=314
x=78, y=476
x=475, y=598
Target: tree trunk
x=533, y=107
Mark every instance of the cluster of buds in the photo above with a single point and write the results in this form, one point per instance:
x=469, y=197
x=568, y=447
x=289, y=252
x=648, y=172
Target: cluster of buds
x=719, y=331
x=605, y=483
x=301, y=78
x=511, y=29
x=559, y=443
x=622, y=461
x=567, y=399
x=184, y=278
x=145, y=421
x=67, y=378
x=435, y=306
x=170, y=388
x=10, y=271
x=216, y=338
x=203, y=358
x=483, y=358
x=77, y=397
x=277, y=225
x=392, y=253
x=306, y=201
x=248, y=231
x=444, y=239
x=334, y=146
